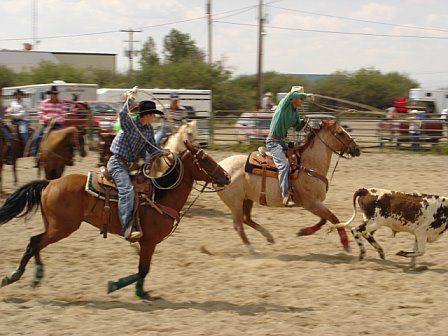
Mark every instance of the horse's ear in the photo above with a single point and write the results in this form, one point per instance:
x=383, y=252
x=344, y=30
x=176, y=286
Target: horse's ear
x=193, y=123
x=190, y=146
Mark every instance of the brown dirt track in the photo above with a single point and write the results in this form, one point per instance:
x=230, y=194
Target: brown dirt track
x=209, y=285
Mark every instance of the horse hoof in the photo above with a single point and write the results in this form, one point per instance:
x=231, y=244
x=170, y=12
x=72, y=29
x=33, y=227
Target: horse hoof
x=347, y=248
x=271, y=240
x=402, y=253
x=145, y=297
x=111, y=287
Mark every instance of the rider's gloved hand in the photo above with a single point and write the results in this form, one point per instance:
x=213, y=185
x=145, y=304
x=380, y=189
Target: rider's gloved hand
x=131, y=94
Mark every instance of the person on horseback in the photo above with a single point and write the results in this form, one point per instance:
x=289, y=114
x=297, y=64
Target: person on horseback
x=177, y=115
x=135, y=135
x=285, y=116
x=18, y=111
x=51, y=113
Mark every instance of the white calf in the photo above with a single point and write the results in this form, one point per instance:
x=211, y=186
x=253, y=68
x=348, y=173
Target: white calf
x=425, y=216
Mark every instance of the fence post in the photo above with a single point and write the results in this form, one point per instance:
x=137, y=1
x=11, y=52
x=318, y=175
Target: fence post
x=211, y=127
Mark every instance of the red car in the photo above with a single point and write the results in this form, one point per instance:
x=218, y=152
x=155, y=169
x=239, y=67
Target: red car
x=104, y=116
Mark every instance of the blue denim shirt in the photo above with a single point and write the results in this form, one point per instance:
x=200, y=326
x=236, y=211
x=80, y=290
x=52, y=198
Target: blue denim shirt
x=128, y=143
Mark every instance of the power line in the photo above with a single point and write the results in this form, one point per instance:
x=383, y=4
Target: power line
x=335, y=32
x=238, y=10
x=360, y=20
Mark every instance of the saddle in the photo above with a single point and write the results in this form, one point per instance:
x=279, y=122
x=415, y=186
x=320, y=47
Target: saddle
x=261, y=163
x=101, y=185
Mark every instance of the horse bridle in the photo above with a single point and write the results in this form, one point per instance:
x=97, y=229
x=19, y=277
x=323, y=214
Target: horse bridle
x=335, y=134
x=199, y=156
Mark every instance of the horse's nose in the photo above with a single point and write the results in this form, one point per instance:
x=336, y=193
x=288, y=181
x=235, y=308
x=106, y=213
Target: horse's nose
x=228, y=178
x=356, y=151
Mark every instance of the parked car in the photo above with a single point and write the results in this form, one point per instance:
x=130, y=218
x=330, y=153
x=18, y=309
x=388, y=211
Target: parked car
x=253, y=126
x=104, y=116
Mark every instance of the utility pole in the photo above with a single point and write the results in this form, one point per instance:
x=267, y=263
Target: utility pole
x=130, y=52
x=260, y=54
x=209, y=17
x=34, y=20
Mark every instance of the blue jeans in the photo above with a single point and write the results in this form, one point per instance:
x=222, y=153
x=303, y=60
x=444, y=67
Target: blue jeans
x=120, y=173
x=23, y=128
x=160, y=134
x=276, y=148
x=38, y=138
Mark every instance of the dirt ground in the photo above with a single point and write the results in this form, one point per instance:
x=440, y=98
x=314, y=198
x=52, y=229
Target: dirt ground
x=207, y=284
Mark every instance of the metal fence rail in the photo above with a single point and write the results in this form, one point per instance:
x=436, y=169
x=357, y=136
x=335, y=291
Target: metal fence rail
x=232, y=128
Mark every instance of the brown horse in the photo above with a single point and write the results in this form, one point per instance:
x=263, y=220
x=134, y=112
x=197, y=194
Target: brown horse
x=18, y=148
x=54, y=150
x=65, y=204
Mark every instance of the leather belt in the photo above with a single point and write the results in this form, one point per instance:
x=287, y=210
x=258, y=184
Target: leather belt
x=122, y=159
x=275, y=137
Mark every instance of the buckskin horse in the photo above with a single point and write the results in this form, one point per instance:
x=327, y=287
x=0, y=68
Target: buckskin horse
x=310, y=186
x=65, y=204
x=54, y=150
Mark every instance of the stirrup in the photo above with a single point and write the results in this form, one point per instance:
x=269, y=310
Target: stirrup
x=287, y=201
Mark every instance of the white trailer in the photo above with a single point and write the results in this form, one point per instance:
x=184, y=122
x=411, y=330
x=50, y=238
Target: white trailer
x=433, y=100
x=200, y=101
x=34, y=94
x=197, y=102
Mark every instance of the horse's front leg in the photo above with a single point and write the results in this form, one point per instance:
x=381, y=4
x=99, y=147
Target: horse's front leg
x=319, y=209
x=146, y=252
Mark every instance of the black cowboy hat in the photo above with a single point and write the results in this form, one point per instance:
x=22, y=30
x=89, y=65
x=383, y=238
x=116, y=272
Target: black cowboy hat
x=53, y=90
x=18, y=91
x=147, y=107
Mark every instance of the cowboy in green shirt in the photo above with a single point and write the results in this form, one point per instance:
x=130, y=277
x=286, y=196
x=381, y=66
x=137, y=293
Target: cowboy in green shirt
x=286, y=115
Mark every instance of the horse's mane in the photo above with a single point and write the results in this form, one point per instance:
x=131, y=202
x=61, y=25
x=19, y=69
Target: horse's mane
x=309, y=138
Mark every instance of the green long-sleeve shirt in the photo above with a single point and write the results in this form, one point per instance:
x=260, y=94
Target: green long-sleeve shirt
x=286, y=116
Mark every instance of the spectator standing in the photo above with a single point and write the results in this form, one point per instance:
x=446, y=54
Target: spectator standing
x=176, y=116
x=267, y=103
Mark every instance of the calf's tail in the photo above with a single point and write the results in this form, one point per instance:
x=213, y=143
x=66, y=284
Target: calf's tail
x=358, y=193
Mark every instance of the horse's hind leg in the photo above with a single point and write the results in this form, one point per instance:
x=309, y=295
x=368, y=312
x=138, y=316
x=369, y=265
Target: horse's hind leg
x=320, y=210
x=31, y=250
x=309, y=230
x=247, y=209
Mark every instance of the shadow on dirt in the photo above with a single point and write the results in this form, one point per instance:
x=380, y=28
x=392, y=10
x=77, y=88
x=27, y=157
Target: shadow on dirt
x=161, y=304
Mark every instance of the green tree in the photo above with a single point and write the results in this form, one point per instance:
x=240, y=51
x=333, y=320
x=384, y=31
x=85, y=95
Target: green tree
x=367, y=86
x=148, y=54
x=47, y=72
x=178, y=46
x=7, y=77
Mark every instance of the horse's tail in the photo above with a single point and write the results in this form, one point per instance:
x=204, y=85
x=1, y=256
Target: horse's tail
x=22, y=201
x=358, y=193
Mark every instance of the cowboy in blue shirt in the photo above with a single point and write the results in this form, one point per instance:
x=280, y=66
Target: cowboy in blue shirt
x=136, y=134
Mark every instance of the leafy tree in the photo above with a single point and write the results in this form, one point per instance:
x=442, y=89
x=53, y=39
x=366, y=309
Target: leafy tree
x=47, y=72
x=178, y=46
x=7, y=77
x=148, y=54
x=368, y=86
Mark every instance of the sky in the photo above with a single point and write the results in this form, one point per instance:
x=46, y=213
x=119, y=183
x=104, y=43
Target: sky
x=301, y=36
